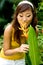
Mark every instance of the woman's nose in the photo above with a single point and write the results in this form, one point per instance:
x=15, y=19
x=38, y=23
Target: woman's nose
x=24, y=19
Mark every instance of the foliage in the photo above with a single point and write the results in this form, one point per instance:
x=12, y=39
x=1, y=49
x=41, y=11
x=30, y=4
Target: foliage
x=6, y=11
x=1, y=41
x=2, y=23
x=40, y=42
x=40, y=11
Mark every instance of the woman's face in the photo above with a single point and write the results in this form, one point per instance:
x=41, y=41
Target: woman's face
x=25, y=18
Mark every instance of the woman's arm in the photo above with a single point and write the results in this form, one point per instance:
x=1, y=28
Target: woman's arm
x=7, y=43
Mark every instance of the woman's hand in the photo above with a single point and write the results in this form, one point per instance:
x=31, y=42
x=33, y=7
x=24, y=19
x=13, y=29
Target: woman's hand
x=24, y=48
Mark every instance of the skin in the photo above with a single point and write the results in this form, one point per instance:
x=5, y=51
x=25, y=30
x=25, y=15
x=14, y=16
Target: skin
x=24, y=19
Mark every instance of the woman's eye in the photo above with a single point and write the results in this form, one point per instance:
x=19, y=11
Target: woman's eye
x=20, y=15
x=28, y=15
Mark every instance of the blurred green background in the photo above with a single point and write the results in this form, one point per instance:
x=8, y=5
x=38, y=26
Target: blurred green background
x=7, y=8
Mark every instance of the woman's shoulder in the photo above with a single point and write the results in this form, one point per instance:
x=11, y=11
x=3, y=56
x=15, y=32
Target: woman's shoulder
x=8, y=28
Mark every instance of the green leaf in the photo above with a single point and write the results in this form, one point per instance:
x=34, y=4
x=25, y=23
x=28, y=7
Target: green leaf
x=33, y=47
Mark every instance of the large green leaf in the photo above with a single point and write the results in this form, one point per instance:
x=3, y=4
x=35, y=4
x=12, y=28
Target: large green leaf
x=33, y=47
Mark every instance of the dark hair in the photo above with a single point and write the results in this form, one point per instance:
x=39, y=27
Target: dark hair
x=19, y=9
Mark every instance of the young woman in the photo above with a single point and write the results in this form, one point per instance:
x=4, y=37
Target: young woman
x=15, y=34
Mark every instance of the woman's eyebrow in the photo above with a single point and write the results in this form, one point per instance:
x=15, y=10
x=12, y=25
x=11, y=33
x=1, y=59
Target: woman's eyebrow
x=28, y=13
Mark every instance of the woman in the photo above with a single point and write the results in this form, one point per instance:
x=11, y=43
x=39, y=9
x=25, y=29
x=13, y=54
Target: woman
x=15, y=34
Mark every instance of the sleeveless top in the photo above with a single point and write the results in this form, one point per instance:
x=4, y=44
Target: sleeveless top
x=14, y=44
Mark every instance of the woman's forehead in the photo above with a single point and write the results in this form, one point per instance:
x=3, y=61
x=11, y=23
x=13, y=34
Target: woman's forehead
x=26, y=11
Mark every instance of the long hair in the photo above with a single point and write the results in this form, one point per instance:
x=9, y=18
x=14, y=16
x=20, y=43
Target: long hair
x=15, y=24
